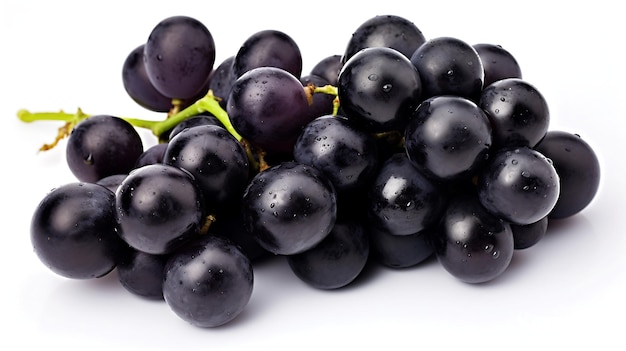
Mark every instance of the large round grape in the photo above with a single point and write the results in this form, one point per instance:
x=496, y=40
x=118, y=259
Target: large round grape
x=472, y=244
x=209, y=282
x=74, y=232
x=268, y=107
x=159, y=208
x=100, y=146
x=379, y=88
x=289, y=208
x=448, y=138
x=179, y=56
x=578, y=168
x=138, y=86
x=519, y=185
x=268, y=48
x=449, y=66
x=498, y=63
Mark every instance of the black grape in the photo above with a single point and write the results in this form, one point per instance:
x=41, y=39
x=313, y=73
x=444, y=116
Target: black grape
x=138, y=85
x=101, y=146
x=498, y=63
x=209, y=282
x=289, y=208
x=379, y=88
x=337, y=260
x=268, y=48
x=321, y=104
x=112, y=182
x=231, y=226
x=216, y=160
x=268, y=107
x=74, y=233
x=179, y=56
x=448, y=138
x=525, y=236
x=389, y=31
x=345, y=154
x=400, y=251
x=578, y=168
x=472, y=244
x=402, y=200
x=159, y=208
x=153, y=154
x=328, y=68
x=222, y=79
x=519, y=185
x=518, y=112
x=449, y=66
x=142, y=274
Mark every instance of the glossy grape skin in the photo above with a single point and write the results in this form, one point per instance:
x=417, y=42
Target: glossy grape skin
x=216, y=160
x=525, y=236
x=112, y=182
x=231, y=226
x=74, y=233
x=142, y=274
x=328, y=68
x=448, y=137
x=345, y=154
x=390, y=31
x=268, y=107
x=498, y=63
x=100, y=146
x=138, y=85
x=379, y=88
x=449, y=66
x=518, y=112
x=402, y=200
x=400, y=251
x=519, y=185
x=179, y=55
x=268, y=48
x=159, y=208
x=289, y=208
x=337, y=260
x=578, y=168
x=472, y=244
x=209, y=282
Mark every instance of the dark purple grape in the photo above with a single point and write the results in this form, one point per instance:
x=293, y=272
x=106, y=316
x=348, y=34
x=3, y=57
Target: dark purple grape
x=400, y=251
x=498, y=63
x=74, y=233
x=321, y=104
x=222, y=79
x=197, y=120
x=379, y=88
x=231, y=226
x=138, y=85
x=268, y=107
x=389, y=31
x=525, y=236
x=337, y=260
x=216, y=160
x=268, y=48
x=472, y=244
x=328, y=68
x=448, y=138
x=449, y=66
x=402, y=200
x=289, y=208
x=209, y=282
x=159, y=208
x=179, y=56
x=519, y=185
x=345, y=154
x=101, y=146
x=142, y=274
x=112, y=182
x=518, y=113
x=578, y=168
x=153, y=154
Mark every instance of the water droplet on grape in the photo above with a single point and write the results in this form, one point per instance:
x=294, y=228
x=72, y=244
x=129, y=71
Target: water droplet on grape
x=495, y=254
x=525, y=174
x=387, y=88
x=514, y=162
x=373, y=77
x=502, y=99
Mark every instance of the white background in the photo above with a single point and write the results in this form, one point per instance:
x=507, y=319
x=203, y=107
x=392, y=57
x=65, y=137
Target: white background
x=569, y=290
